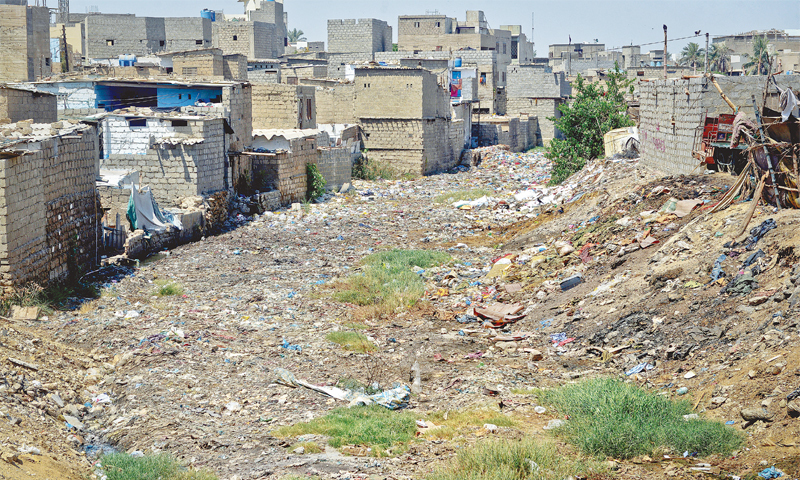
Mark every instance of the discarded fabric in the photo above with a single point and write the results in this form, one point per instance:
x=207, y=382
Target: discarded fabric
x=393, y=399
x=770, y=472
x=639, y=368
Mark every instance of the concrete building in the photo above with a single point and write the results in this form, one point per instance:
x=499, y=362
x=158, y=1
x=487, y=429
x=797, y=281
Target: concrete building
x=407, y=121
x=49, y=217
x=522, y=50
x=178, y=156
x=107, y=36
x=366, y=35
x=471, y=41
x=255, y=40
x=205, y=63
x=355, y=42
x=537, y=91
x=24, y=41
x=672, y=113
x=784, y=45
x=284, y=107
x=491, y=72
x=17, y=104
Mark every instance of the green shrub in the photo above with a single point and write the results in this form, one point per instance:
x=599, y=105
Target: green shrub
x=594, y=112
x=167, y=288
x=610, y=418
x=316, y=182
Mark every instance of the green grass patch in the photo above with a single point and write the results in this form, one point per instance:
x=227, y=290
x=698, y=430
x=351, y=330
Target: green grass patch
x=610, y=418
x=167, y=288
x=527, y=459
x=461, y=195
x=48, y=299
x=121, y=466
x=375, y=427
x=352, y=341
x=387, y=281
x=309, y=447
x=458, y=422
x=355, y=326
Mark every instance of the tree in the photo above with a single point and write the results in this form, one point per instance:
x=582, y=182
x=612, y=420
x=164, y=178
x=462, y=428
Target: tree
x=692, y=54
x=719, y=57
x=760, y=59
x=594, y=111
x=296, y=35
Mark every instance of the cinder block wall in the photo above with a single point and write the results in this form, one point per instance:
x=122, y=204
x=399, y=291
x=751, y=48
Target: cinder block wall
x=255, y=40
x=17, y=105
x=264, y=76
x=336, y=165
x=337, y=62
x=206, y=65
x=669, y=118
x=187, y=33
x=286, y=171
x=336, y=104
x=284, y=106
x=48, y=218
x=24, y=43
x=235, y=67
x=542, y=108
x=366, y=35
x=172, y=171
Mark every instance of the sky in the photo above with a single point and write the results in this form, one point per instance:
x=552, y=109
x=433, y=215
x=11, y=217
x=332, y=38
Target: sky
x=613, y=22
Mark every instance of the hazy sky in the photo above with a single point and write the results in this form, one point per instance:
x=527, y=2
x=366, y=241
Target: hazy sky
x=613, y=22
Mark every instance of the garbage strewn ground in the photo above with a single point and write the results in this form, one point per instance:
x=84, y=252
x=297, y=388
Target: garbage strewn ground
x=207, y=351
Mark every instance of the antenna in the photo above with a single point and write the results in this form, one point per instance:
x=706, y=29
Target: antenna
x=432, y=12
x=533, y=28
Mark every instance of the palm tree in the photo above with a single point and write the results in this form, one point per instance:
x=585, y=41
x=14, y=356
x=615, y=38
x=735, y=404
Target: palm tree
x=760, y=59
x=719, y=57
x=295, y=35
x=692, y=54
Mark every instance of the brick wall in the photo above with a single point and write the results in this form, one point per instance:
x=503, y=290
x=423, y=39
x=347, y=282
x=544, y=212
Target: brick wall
x=205, y=64
x=187, y=33
x=173, y=170
x=264, y=76
x=111, y=35
x=337, y=62
x=669, y=118
x=367, y=35
x=542, y=108
x=48, y=220
x=305, y=71
x=234, y=67
x=529, y=81
x=255, y=40
x=284, y=106
x=336, y=165
x=417, y=146
x=17, y=105
x=425, y=25
x=24, y=43
x=336, y=104
x=285, y=171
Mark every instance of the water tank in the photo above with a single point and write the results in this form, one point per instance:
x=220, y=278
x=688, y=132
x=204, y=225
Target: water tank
x=209, y=14
x=458, y=62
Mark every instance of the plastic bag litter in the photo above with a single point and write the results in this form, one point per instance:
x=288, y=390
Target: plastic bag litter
x=770, y=472
x=393, y=399
x=639, y=368
x=607, y=286
x=717, y=272
x=471, y=205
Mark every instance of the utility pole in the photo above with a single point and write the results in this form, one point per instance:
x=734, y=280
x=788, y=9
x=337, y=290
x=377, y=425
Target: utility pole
x=706, y=72
x=64, y=49
x=665, y=52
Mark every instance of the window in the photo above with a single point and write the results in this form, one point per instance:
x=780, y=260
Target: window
x=180, y=123
x=180, y=97
x=190, y=70
x=198, y=42
x=190, y=96
x=139, y=122
x=438, y=24
x=308, y=108
x=47, y=62
x=235, y=38
x=504, y=77
x=161, y=43
x=110, y=43
x=504, y=49
x=416, y=24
